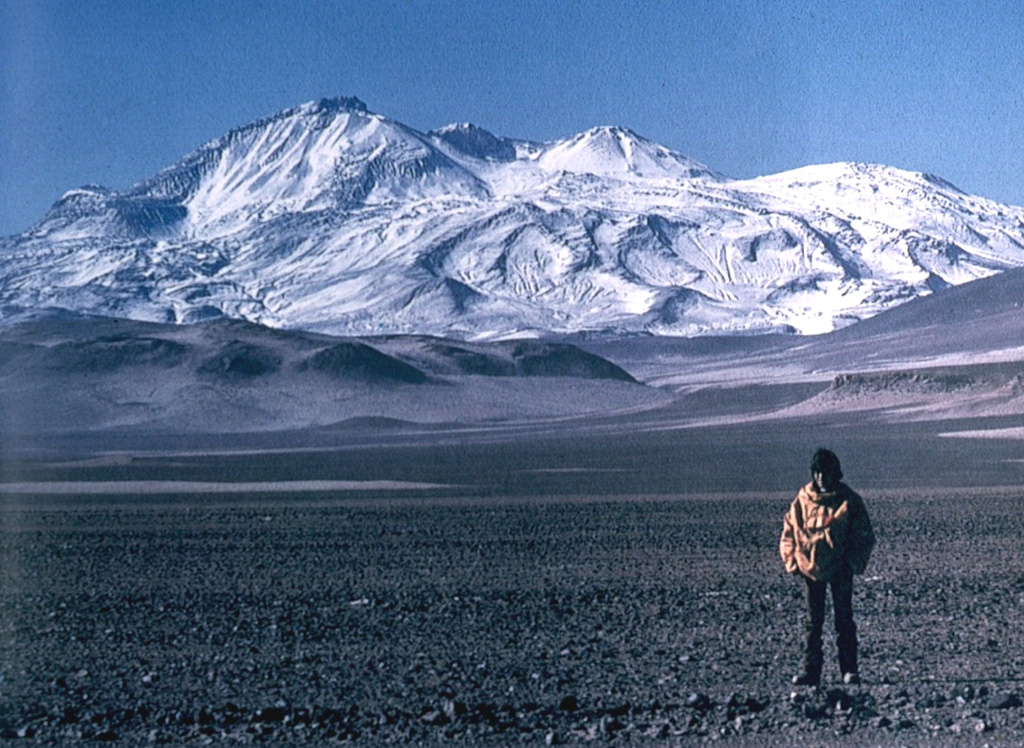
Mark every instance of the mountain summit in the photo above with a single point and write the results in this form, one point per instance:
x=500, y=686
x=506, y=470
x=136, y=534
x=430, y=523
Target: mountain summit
x=329, y=217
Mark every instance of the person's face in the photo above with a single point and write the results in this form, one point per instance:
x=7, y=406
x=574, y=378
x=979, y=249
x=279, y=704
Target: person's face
x=825, y=481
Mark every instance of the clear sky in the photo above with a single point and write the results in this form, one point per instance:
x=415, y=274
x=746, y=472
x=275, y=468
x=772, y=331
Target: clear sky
x=110, y=91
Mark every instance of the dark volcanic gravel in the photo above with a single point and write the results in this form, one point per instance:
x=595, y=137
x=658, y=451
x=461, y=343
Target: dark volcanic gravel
x=648, y=620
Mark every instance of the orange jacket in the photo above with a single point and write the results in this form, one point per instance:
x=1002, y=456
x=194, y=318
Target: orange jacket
x=822, y=532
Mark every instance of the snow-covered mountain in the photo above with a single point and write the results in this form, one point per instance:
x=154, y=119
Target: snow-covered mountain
x=328, y=217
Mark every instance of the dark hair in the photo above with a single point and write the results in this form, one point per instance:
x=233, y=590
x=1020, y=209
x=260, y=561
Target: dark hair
x=825, y=461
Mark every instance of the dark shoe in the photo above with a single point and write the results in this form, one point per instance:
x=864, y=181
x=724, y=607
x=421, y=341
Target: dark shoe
x=851, y=679
x=806, y=679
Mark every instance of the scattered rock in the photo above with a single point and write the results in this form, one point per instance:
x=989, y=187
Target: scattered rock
x=569, y=704
x=270, y=714
x=699, y=701
x=400, y=681
x=1003, y=701
x=434, y=717
x=964, y=692
x=620, y=711
x=453, y=709
x=609, y=725
x=740, y=704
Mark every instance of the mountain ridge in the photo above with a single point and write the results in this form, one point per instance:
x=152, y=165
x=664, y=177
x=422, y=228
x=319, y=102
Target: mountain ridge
x=329, y=217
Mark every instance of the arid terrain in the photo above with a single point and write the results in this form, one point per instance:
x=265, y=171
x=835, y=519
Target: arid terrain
x=547, y=589
x=227, y=534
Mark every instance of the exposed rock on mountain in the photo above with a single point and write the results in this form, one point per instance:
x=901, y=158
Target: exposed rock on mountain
x=328, y=217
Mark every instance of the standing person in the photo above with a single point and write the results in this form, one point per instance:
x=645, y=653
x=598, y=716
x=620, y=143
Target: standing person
x=827, y=538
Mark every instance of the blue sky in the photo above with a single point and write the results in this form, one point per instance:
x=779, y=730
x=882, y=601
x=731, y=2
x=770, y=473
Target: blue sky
x=108, y=92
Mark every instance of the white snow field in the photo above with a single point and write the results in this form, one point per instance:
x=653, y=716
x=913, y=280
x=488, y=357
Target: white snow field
x=328, y=217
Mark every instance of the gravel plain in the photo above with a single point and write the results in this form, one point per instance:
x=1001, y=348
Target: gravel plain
x=411, y=618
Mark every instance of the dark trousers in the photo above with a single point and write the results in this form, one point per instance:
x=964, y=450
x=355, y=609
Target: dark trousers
x=846, y=630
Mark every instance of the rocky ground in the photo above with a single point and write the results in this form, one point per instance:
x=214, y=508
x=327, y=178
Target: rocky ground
x=616, y=619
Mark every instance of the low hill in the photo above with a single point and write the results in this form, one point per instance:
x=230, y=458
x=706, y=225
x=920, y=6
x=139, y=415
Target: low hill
x=83, y=374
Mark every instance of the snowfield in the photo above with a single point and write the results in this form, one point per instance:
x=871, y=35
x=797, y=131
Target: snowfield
x=331, y=218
